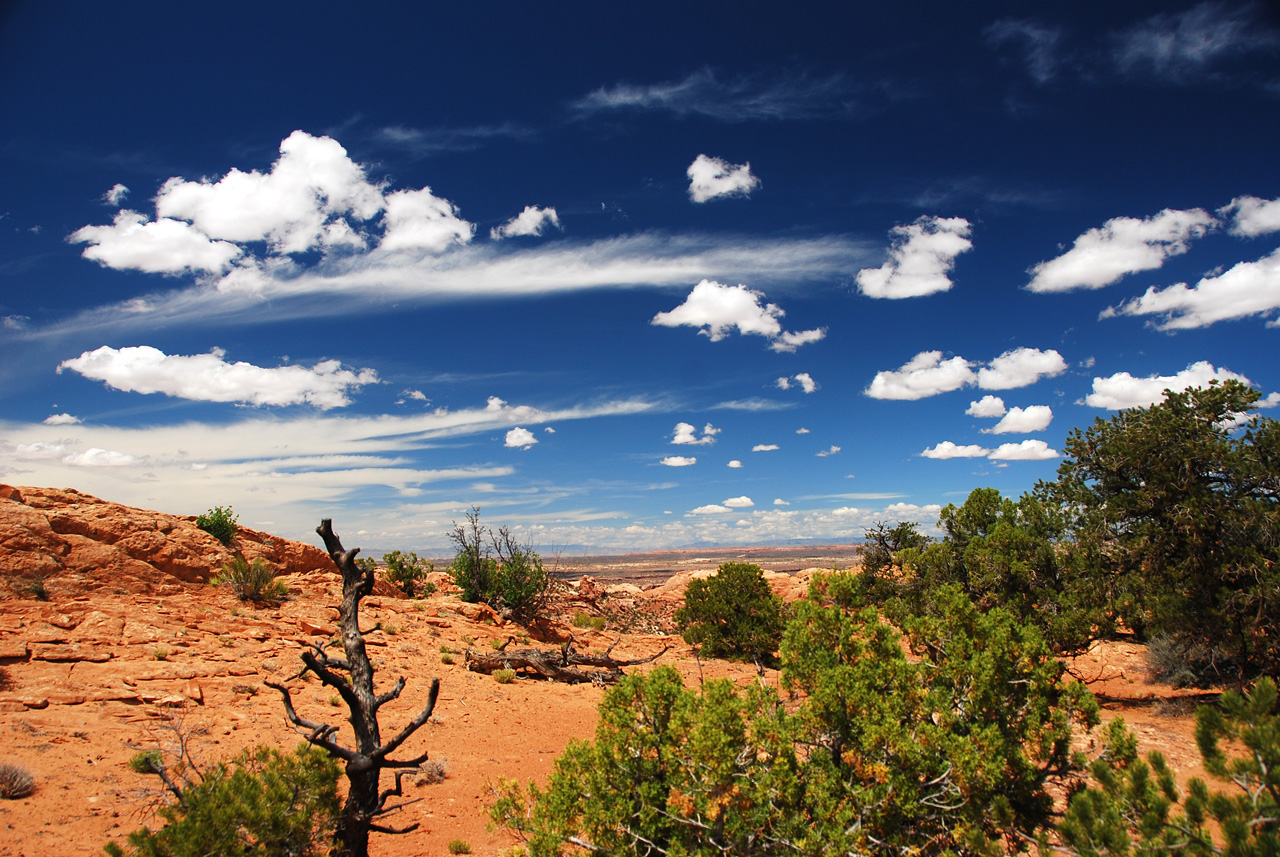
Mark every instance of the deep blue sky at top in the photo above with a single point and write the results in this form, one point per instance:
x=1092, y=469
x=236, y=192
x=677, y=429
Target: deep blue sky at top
x=1012, y=129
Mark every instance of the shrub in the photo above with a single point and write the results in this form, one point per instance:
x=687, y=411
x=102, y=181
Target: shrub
x=513, y=582
x=219, y=522
x=1132, y=806
x=31, y=586
x=407, y=571
x=504, y=676
x=15, y=781
x=431, y=772
x=733, y=614
x=1174, y=513
x=263, y=802
x=583, y=619
x=950, y=747
x=446, y=658
x=1179, y=663
x=459, y=846
x=252, y=581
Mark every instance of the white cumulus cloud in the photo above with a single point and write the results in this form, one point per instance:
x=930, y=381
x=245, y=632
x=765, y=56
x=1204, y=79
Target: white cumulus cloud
x=717, y=309
x=920, y=259
x=947, y=449
x=1028, y=450
x=1122, y=390
x=709, y=509
x=418, y=220
x=116, y=195
x=1020, y=367
x=780, y=502
x=764, y=447
x=686, y=433
x=520, y=438
x=1023, y=420
x=924, y=375
x=1251, y=216
x=209, y=378
x=1121, y=246
x=927, y=374
x=710, y=178
x=62, y=420
x=987, y=406
x=735, y=464
x=1248, y=288
x=829, y=451
x=679, y=461
x=531, y=221
x=163, y=246
x=299, y=205
x=739, y=502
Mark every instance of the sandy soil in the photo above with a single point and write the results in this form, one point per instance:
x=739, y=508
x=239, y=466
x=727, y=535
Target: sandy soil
x=85, y=682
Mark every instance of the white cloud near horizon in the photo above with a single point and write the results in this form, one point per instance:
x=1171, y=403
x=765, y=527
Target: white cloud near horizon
x=1023, y=420
x=520, y=438
x=291, y=470
x=209, y=378
x=739, y=502
x=713, y=178
x=1122, y=390
x=532, y=221
x=709, y=509
x=920, y=259
x=927, y=374
x=718, y=309
x=1245, y=289
x=62, y=420
x=987, y=406
x=1121, y=246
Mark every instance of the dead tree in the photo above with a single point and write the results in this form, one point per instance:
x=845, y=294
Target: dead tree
x=564, y=665
x=352, y=678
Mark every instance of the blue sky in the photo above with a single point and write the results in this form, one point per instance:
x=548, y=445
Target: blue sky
x=625, y=276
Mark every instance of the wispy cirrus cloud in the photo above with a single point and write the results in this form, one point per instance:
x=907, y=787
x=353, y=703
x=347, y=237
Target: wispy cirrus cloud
x=740, y=99
x=1180, y=47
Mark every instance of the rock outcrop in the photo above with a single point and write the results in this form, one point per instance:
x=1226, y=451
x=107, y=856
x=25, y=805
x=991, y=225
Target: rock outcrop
x=71, y=539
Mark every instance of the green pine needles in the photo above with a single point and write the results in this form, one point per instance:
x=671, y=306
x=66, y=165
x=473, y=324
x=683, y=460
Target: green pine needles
x=947, y=745
x=263, y=803
x=732, y=614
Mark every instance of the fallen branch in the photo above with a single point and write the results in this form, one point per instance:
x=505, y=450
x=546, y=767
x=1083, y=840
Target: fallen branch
x=563, y=664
